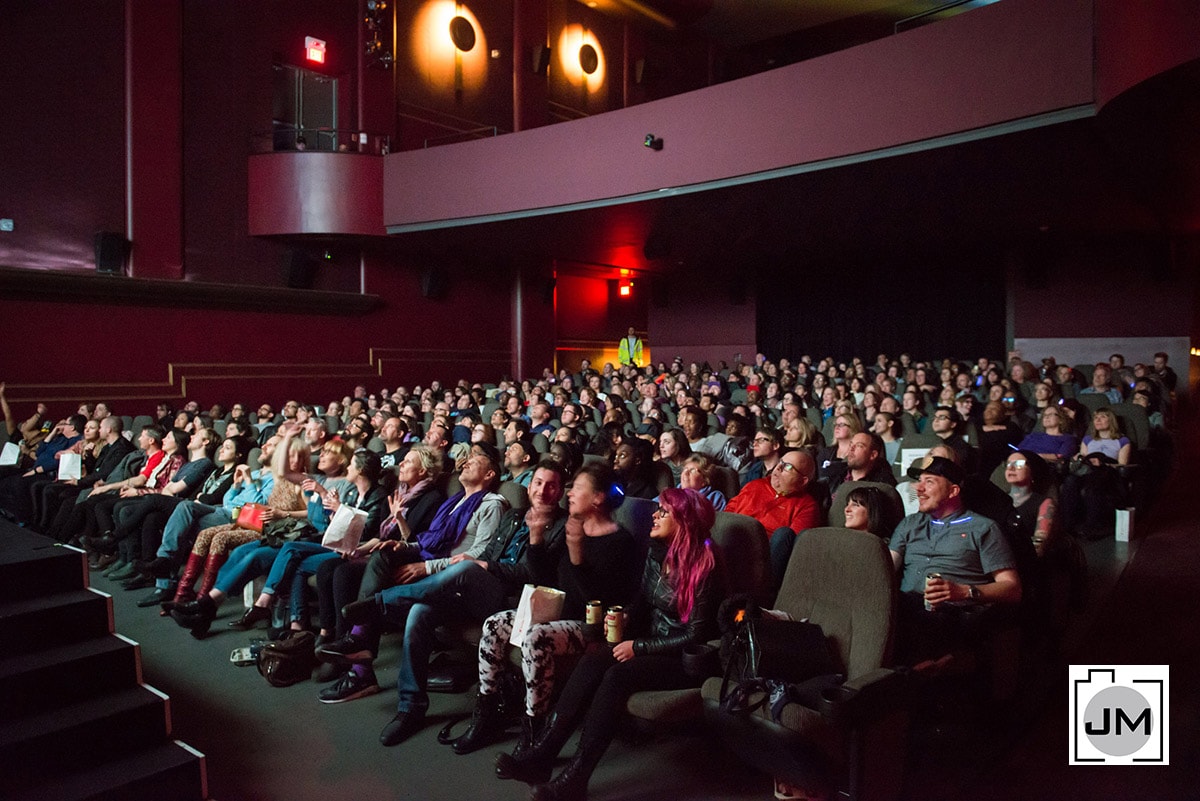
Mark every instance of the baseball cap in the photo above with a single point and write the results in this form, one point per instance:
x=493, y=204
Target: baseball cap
x=938, y=466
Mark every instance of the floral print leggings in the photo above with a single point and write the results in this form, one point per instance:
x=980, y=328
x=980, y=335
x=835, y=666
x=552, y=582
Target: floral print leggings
x=544, y=643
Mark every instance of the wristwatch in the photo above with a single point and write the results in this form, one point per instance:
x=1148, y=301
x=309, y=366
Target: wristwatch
x=973, y=592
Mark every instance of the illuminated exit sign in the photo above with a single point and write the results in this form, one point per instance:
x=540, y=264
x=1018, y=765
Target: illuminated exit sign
x=314, y=49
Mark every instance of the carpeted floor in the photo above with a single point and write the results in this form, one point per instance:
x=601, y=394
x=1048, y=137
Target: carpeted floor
x=267, y=743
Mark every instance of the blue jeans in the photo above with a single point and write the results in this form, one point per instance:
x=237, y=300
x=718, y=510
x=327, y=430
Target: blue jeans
x=246, y=563
x=295, y=562
x=465, y=588
x=783, y=539
x=462, y=589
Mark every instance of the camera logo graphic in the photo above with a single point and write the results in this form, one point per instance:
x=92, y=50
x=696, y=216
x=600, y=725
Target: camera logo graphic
x=1120, y=715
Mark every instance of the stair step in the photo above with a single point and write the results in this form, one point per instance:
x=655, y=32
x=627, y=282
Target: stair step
x=168, y=772
x=32, y=624
x=81, y=735
x=33, y=565
x=58, y=676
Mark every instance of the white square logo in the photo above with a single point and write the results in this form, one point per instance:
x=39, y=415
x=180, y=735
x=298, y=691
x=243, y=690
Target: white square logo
x=1120, y=715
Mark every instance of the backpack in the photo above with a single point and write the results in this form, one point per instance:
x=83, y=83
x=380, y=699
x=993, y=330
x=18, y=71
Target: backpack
x=288, y=661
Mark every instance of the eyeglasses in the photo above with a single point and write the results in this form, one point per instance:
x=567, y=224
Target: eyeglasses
x=1018, y=464
x=662, y=511
x=942, y=417
x=785, y=467
x=841, y=425
x=762, y=439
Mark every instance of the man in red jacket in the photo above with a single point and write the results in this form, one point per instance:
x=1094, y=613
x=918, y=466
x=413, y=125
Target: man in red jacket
x=782, y=502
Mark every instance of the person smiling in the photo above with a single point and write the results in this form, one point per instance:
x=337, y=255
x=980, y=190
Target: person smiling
x=948, y=556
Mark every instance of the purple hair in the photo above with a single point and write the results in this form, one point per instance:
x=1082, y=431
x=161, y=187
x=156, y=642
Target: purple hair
x=689, y=558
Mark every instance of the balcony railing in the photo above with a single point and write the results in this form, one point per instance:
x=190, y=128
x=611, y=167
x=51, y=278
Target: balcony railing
x=322, y=140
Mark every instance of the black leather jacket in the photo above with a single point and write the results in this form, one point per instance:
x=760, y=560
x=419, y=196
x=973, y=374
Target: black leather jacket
x=655, y=615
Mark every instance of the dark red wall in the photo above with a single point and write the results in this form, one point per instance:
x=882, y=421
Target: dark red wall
x=63, y=169
x=229, y=55
x=136, y=356
x=1135, y=41
x=702, y=321
x=1116, y=287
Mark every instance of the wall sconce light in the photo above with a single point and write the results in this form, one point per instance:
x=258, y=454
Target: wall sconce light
x=589, y=59
x=462, y=33
x=653, y=142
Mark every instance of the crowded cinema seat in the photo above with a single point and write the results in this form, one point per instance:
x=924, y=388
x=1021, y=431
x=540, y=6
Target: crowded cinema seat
x=913, y=447
x=515, y=494
x=742, y=543
x=636, y=515
x=663, y=478
x=1093, y=401
x=726, y=480
x=853, y=738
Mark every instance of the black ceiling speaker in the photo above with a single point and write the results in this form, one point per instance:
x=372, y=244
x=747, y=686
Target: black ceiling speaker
x=112, y=251
x=299, y=269
x=435, y=284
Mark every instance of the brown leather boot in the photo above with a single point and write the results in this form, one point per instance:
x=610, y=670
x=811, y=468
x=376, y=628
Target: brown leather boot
x=215, y=560
x=184, y=592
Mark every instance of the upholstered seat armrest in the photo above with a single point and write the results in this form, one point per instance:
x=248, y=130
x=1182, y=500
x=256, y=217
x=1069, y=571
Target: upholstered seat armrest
x=864, y=698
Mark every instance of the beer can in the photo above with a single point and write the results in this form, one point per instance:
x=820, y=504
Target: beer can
x=614, y=625
x=595, y=613
x=928, y=578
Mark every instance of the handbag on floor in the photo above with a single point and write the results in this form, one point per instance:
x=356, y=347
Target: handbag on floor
x=288, y=661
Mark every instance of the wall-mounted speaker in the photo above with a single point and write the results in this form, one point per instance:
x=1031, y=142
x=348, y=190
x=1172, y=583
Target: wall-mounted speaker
x=112, y=251
x=541, y=59
x=299, y=269
x=435, y=284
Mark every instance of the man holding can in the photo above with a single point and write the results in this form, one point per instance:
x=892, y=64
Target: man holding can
x=972, y=560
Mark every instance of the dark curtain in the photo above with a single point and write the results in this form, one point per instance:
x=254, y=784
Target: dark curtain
x=929, y=306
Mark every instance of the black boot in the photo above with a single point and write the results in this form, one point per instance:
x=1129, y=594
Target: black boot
x=531, y=730
x=572, y=781
x=197, y=615
x=487, y=724
x=532, y=765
